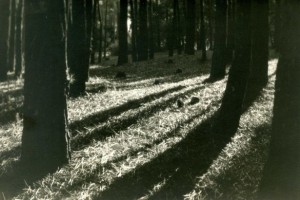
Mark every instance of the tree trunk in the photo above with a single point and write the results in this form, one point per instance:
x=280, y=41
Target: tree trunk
x=100, y=34
x=232, y=101
x=190, y=27
x=202, y=31
x=105, y=30
x=260, y=42
x=4, y=19
x=94, y=33
x=170, y=33
x=45, y=141
x=157, y=24
x=11, y=36
x=143, y=31
x=151, y=30
x=123, y=45
x=19, y=37
x=210, y=24
x=219, y=55
x=282, y=172
x=133, y=15
x=230, y=31
x=79, y=47
x=278, y=27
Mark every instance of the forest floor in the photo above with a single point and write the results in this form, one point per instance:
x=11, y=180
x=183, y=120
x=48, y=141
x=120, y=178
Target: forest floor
x=130, y=140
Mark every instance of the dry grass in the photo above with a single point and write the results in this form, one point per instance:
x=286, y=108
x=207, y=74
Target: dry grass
x=131, y=141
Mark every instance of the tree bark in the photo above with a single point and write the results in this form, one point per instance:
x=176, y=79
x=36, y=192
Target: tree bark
x=190, y=27
x=282, y=172
x=219, y=55
x=202, y=31
x=19, y=37
x=45, y=141
x=133, y=16
x=11, y=35
x=143, y=31
x=79, y=46
x=123, y=44
x=100, y=35
x=230, y=31
x=4, y=19
x=105, y=30
x=232, y=101
x=151, y=30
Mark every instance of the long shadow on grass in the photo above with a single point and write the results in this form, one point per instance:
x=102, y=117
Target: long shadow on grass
x=105, y=131
x=175, y=169
x=112, y=128
x=103, y=116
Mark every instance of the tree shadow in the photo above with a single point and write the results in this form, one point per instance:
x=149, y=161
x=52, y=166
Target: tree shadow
x=105, y=131
x=18, y=177
x=174, y=171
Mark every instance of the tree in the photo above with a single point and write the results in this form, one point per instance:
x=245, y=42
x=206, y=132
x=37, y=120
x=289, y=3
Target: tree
x=133, y=15
x=79, y=35
x=11, y=36
x=143, y=31
x=260, y=42
x=219, y=55
x=231, y=108
x=230, y=31
x=4, y=15
x=282, y=172
x=190, y=27
x=45, y=141
x=19, y=44
x=123, y=44
x=151, y=30
x=202, y=31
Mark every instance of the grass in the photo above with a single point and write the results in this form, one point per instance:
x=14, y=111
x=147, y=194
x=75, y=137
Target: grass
x=132, y=141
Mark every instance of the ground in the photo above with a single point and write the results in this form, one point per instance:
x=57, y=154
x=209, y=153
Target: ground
x=131, y=140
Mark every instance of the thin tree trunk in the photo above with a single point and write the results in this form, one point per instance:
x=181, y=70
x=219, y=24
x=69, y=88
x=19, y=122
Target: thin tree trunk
x=45, y=141
x=210, y=24
x=190, y=27
x=133, y=16
x=151, y=30
x=11, y=36
x=143, y=31
x=231, y=107
x=4, y=19
x=100, y=35
x=157, y=24
x=19, y=37
x=202, y=31
x=123, y=44
x=94, y=32
x=105, y=30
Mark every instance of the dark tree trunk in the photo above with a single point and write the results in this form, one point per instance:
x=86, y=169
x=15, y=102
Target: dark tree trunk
x=88, y=30
x=177, y=27
x=105, y=30
x=151, y=30
x=133, y=15
x=277, y=27
x=190, y=27
x=210, y=24
x=230, y=31
x=157, y=24
x=202, y=31
x=19, y=37
x=282, y=172
x=232, y=101
x=45, y=141
x=219, y=55
x=143, y=31
x=11, y=36
x=100, y=34
x=94, y=33
x=123, y=44
x=79, y=46
x=170, y=34
x=260, y=42
x=4, y=19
